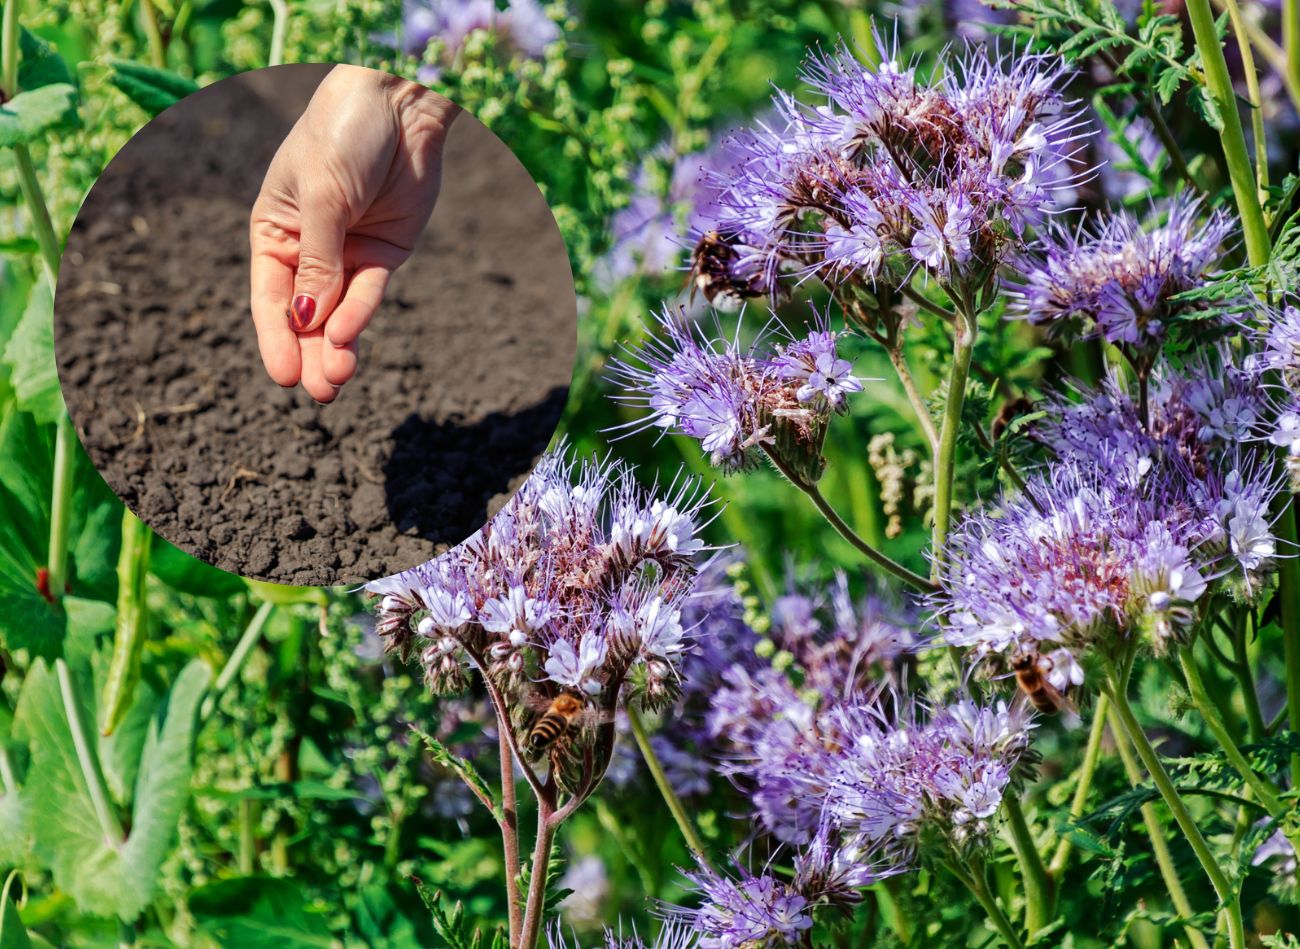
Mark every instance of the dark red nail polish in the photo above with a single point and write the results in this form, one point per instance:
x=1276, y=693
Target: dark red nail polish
x=300, y=314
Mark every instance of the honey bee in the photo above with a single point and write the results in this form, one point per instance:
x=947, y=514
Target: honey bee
x=1032, y=679
x=556, y=722
x=711, y=271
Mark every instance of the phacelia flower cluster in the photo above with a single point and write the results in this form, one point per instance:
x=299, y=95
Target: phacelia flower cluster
x=575, y=587
x=1279, y=356
x=890, y=173
x=740, y=401
x=673, y=934
x=1119, y=280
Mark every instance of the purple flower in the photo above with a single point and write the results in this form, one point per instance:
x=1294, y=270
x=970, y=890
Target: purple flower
x=1118, y=281
x=739, y=402
x=747, y=911
x=888, y=173
x=523, y=25
x=530, y=598
x=673, y=934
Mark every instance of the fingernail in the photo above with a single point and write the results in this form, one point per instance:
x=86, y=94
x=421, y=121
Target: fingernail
x=301, y=312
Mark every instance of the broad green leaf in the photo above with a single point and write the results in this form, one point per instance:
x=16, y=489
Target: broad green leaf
x=27, y=116
x=13, y=934
x=283, y=595
x=151, y=89
x=258, y=913
x=105, y=877
x=39, y=63
x=188, y=574
x=14, y=836
x=30, y=353
x=119, y=753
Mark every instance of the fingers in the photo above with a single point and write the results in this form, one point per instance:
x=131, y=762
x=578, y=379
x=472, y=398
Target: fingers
x=318, y=282
x=271, y=282
x=313, y=372
x=364, y=293
x=338, y=363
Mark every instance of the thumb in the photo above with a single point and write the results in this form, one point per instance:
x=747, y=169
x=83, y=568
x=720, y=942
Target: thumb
x=318, y=282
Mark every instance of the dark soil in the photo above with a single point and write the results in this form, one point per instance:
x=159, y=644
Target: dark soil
x=463, y=373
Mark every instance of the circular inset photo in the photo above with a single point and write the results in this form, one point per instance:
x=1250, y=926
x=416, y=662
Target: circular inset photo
x=314, y=324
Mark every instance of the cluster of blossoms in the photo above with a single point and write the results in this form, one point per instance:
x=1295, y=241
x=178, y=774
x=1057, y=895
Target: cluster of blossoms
x=1126, y=532
x=877, y=781
x=1120, y=280
x=1280, y=354
x=574, y=587
x=739, y=401
x=891, y=173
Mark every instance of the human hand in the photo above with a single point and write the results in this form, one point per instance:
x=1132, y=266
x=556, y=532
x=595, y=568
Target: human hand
x=345, y=199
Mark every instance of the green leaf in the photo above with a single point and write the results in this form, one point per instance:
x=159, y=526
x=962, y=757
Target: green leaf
x=30, y=352
x=151, y=89
x=105, y=877
x=258, y=913
x=13, y=934
x=462, y=766
x=29, y=115
x=188, y=574
x=39, y=63
x=14, y=836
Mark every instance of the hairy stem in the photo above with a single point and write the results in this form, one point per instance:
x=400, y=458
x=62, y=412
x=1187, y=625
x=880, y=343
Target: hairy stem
x=1159, y=846
x=532, y=925
x=510, y=835
x=1271, y=51
x=945, y=461
x=978, y=885
x=848, y=533
x=669, y=795
x=1091, y=756
x=1228, y=897
x=94, y=778
x=1240, y=172
x=252, y=633
x=1038, y=885
x=1240, y=667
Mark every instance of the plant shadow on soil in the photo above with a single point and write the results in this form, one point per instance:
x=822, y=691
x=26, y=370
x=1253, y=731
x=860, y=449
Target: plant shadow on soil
x=419, y=501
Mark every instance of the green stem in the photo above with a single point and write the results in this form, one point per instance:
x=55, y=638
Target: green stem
x=280, y=20
x=1256, y=99
x=1264, y=791
x=666, y=791
x=1246, y=679
x=1228, y=897
x=1159, y=846
x=945, y=462
x=9, y=49
x=108, y=822
x=1038, y=885
x=1291, y=40
x=157, y=51
x=1091, y=756
x=848, y=533
x=7, y=776
x=252, y=633
x=1240, y=172
x=923, y=417
x=61, y=506
x=42, y=225
x=131, y=625
x=975, y=882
